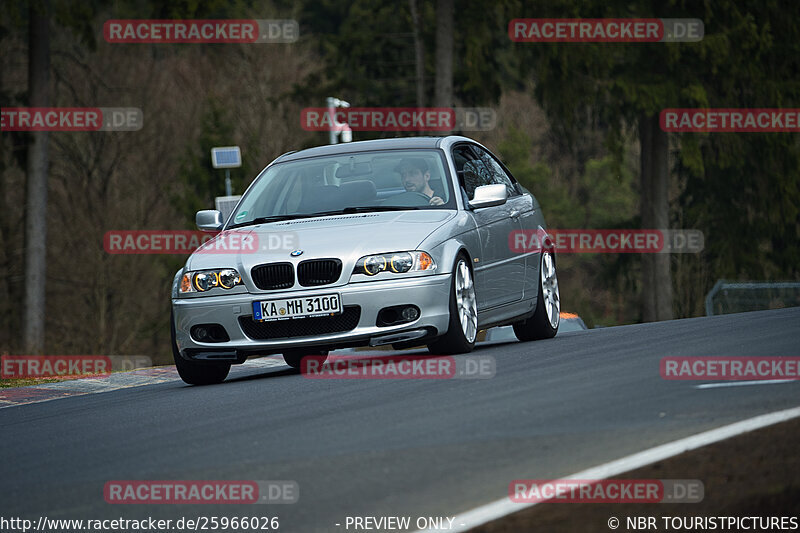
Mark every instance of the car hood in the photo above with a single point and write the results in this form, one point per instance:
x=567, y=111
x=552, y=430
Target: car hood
x=347, y=237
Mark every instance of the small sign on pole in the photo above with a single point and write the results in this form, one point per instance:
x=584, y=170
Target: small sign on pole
x=226, y=157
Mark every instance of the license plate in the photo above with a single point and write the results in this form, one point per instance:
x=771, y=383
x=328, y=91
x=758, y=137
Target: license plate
x=308, y=306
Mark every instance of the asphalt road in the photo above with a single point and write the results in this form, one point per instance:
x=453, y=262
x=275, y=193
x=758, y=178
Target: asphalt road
x=389, y=448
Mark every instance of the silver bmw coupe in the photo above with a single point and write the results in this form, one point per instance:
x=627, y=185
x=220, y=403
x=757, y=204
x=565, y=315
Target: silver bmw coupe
x=407, y=242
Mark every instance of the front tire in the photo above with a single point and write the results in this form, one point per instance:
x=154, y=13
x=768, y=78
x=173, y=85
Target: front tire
x=463, y=326
x=194, y=373
x=547, y=317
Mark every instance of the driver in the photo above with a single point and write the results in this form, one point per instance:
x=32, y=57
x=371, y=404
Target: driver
x=415, y=176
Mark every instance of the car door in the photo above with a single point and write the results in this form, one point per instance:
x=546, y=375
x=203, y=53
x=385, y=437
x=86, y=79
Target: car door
x=499, y=274
x=521, y=206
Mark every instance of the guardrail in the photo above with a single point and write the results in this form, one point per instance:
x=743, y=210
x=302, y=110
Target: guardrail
x=762, y=295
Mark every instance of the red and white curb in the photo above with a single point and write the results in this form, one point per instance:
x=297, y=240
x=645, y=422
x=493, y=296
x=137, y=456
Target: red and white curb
x=11, y=397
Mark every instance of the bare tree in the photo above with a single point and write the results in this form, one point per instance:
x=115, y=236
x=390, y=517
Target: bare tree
x=656, y=278
x=444, y=53
x=131, y=180
x=419, y=52
x=38, y=165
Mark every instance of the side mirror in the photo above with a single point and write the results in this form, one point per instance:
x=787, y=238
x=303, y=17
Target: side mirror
x=208, y=220
x=489, y=196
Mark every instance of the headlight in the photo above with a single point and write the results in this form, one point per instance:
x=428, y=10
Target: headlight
x=229, y=278
x=374, y=264
x=400, y=263
x=205, y=280
x=396, y=262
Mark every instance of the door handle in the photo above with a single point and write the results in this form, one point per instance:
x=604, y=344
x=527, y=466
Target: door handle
x=514, y=213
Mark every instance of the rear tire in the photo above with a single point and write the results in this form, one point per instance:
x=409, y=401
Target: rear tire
x=294, y=358
x=547, y=317
x=463, y=326
x=196, y=373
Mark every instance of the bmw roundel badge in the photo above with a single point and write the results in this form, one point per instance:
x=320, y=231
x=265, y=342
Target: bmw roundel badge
x=295, y=253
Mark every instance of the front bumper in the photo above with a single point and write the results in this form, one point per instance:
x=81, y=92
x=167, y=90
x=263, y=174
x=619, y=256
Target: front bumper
x=430, y=293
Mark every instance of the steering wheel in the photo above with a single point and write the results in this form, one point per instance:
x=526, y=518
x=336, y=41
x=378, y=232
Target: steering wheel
x=409, y=199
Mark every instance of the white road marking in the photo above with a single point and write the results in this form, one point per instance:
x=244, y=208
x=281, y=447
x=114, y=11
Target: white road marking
x=742, y=383
x=504, y=507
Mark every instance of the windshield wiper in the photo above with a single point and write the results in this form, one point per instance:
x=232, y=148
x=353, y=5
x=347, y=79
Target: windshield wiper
x=368, y=208
x=345, y=211
x=274, y=218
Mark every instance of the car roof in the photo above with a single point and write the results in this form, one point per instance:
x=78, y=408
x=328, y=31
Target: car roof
x=399, y=143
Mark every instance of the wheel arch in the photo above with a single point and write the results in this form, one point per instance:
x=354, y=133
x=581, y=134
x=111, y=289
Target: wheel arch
x=448, y=253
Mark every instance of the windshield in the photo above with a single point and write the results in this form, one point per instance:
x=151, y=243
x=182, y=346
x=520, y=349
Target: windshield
x=353, y=182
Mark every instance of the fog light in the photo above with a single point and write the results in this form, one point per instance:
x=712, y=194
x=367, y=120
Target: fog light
x=209, y=333
x=397, y=314
x=410, y=313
